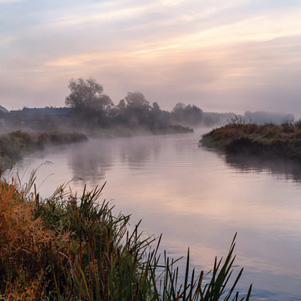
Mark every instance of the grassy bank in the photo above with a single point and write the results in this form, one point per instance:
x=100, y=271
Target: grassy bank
x=67, y=247
x=15, y=145
x=267, y=140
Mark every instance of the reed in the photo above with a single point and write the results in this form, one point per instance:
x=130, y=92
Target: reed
x=70, y=247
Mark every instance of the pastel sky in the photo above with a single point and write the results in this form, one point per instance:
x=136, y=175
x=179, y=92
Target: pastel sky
x=222, y=55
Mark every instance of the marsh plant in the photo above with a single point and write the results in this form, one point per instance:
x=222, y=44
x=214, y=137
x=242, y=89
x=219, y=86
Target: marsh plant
x=70, y=247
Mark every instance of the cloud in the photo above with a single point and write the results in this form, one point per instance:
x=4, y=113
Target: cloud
x=211, y=53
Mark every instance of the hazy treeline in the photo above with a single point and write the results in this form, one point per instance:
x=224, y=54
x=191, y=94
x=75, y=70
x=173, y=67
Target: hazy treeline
x=92, y=107
x=89, y=107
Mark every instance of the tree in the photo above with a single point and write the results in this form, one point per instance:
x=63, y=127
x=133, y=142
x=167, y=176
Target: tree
x=87, y=95
x=156, y=107
x=189, y=115
x=136, y=100
x=121, y=106
x=134, y=110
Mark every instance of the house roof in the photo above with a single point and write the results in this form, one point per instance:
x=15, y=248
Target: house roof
x=3, y=110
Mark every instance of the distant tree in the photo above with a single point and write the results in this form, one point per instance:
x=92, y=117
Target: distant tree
x=134, y=110
x=177, y=112
x=156, y=107
x=121, y=106
x=156, y=116
x=87, y=94
x=189, y=115
x=88, y=100
x=136, y=100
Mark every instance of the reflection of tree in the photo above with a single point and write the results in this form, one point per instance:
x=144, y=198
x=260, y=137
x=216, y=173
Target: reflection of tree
x=276, y=165
x=136, y=151
x=91, y=160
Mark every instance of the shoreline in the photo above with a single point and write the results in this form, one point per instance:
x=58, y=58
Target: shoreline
x=268, y=140
x=15, y=145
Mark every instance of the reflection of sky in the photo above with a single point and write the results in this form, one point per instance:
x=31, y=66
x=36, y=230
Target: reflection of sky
x=195, y=199
x=221, y=55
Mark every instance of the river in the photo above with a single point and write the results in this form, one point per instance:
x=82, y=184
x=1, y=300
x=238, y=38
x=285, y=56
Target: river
x=195, y=197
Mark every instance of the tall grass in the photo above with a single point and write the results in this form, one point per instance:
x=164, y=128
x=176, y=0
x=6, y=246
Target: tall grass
x=70, y=247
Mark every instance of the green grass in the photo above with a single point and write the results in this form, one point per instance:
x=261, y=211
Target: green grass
x=69, y=247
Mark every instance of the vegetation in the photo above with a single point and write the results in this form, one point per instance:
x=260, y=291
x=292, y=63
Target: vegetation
x=94, y=109
x=73, y=248
x=88, y=101
x=269, y=139
x=14, y=145
x=90, y=109
x=189, y=115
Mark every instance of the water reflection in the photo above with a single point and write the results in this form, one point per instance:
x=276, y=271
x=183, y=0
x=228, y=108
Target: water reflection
x=136, y=151
x=284, y=168
x=90, y=161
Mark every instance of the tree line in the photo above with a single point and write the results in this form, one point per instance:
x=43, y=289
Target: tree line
x=92, y=107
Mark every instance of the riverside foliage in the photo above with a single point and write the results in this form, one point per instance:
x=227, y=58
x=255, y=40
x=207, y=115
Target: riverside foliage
x=73, y=248
x=248, y=138
x=14, y=145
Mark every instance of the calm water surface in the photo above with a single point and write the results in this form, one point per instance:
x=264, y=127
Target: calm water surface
x=196, y=198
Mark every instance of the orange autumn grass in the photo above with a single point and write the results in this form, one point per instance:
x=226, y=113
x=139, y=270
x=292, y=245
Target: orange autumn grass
x=25, y=240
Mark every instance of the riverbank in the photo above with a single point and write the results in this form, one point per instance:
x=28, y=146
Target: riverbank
x=15, y=145
x=67, y=247
x=259, y=140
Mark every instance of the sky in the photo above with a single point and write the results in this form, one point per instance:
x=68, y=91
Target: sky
x=223, y=56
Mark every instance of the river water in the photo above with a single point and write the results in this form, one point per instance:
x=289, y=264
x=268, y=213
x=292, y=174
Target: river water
x=196, y=198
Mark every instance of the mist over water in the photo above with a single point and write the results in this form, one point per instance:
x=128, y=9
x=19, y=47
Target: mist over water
x=195, y=197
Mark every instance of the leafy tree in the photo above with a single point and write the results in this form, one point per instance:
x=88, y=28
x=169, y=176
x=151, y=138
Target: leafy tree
x=190, y=115
x=156, y=107
x=134, y=110
x=157, y=117
x=121, y=106
x=88, y=100
x=137, y=101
